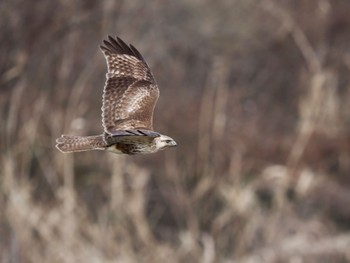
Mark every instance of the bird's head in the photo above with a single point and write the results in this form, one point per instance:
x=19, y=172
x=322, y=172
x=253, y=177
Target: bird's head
x=164, y=141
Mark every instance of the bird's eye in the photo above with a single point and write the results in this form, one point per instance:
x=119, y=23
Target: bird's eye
x=168, y=141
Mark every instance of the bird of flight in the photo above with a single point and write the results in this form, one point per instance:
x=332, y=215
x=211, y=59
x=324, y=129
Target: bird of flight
x=129, y=97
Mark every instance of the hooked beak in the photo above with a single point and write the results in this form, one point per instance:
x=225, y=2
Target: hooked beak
x=173, y=144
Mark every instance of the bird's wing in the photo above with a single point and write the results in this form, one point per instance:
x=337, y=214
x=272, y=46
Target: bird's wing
x=130, y=93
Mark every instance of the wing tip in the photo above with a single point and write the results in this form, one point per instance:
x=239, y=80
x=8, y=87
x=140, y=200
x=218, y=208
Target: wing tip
x=118, y=46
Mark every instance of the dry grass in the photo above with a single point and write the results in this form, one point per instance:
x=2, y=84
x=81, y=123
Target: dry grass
x=255, y=92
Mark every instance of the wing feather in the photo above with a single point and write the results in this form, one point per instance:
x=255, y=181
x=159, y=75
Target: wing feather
x=130, y=93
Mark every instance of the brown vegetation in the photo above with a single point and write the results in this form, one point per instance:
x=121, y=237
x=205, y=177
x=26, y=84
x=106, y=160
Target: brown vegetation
x=255, y=92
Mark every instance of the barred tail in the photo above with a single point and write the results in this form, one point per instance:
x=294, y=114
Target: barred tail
x=71, y=143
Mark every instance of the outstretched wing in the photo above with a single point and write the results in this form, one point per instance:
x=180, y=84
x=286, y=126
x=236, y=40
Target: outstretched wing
x=130, y=93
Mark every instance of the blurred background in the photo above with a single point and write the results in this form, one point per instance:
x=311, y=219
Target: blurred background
x=255, y=92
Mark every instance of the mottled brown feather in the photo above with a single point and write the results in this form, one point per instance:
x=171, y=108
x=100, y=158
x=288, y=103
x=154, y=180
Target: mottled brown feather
x=130, y=93
x=72, y=143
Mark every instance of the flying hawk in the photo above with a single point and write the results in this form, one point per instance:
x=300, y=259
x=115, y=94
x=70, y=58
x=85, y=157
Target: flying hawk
x=129, y=97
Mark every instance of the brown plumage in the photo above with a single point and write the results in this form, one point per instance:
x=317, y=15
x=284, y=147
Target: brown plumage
x=129, y=98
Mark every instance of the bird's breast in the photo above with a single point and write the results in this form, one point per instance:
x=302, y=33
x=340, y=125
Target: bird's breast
x=114, y=149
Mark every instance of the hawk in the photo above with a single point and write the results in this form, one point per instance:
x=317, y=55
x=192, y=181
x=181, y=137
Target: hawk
x=129, y=97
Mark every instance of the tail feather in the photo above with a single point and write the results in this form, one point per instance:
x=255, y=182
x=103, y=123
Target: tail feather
x=71, y=143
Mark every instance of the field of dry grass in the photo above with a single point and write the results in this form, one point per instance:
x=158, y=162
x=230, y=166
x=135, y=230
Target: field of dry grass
x=255, y=92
